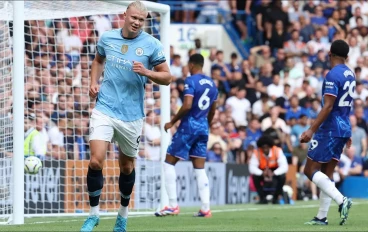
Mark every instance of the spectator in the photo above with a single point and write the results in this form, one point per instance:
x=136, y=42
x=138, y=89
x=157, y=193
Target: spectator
x=279, y=63
x=208, y=13
x=295, y=110
x=34, y=143
x=268, y=165
x=253, y=133
x=356, y=162
x=215, y=153
x=300, y=150
x=358, y=13
x=262, y=106
x=276, y=89
x=264, y=56
x=240, y=107
x=176, y=67
x=294, y=47
x=215, y=137
x=152, y=136
x=359, y=138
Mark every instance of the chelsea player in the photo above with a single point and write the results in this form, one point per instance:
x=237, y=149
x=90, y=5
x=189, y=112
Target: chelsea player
x=127, y=57
x=332, y=130
x=190, y=140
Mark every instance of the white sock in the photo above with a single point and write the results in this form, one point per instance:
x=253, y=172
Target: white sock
x=94, y=210
x=325, y=184
x=324, y=205
x=203, y=188
x=170, y=184
x=123, y=211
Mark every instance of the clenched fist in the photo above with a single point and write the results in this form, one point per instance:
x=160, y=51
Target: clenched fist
x=93, y=90
x=139, y=68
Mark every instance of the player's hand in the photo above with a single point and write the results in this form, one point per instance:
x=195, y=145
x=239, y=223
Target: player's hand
x=348, y=143
x=168, y=126
x=306, y=136
x=139, y=68
x=93, y=90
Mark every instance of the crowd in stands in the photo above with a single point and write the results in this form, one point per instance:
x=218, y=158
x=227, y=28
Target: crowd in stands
x=276, y=90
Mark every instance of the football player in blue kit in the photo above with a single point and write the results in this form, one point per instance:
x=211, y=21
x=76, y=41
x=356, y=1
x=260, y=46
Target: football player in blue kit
x=190, y=140
x=330, y=132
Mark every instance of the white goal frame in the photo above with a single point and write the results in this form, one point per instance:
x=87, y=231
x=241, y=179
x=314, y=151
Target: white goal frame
x=19, y=16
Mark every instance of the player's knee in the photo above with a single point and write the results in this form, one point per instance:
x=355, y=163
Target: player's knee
x=95, y=164
x=126, y=168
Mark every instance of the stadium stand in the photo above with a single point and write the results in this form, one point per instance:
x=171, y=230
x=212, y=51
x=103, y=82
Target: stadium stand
x=275, y=90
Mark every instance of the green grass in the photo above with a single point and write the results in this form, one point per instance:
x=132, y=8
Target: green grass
x=247, y=217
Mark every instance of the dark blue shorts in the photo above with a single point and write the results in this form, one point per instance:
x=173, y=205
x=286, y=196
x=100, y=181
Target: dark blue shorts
x=184, y=146
x=323, y=148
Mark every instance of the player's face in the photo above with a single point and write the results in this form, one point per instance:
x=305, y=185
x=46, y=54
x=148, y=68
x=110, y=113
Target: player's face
x=134, y=20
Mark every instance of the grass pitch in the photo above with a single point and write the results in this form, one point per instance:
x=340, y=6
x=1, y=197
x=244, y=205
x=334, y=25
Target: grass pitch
x=249, y=217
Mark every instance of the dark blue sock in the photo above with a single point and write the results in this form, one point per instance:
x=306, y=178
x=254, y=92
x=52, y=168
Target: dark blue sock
x=94, y=186
x=126, y=183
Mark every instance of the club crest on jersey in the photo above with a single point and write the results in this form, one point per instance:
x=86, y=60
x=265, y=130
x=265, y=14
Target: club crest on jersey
x=124, y=48
x=139, y=51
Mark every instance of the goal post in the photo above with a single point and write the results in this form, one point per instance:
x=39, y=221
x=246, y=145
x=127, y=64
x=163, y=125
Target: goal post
x=22, y=204
x=18, y=111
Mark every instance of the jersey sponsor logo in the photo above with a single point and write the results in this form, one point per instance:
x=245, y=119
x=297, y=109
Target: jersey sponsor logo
x=329, y=83
x=139, y=51
x=348, y=73
x=124, y=48
x=186, y=86
x=119, y=63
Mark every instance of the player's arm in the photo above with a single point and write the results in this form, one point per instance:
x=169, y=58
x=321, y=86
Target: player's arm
x=97, y=67
x=161, y=75
x=96, y=72
x=212, y=112
x=185, y=108
x=329, y=101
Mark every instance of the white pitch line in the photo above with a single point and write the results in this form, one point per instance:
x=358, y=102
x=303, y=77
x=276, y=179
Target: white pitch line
x=213, y=211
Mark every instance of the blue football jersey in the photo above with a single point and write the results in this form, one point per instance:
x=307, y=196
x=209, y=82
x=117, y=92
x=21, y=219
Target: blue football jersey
x=339, y=82
x=204, y=92
x=122, y=91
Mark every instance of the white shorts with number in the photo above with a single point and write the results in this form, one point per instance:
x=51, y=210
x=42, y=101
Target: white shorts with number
x=126, y=134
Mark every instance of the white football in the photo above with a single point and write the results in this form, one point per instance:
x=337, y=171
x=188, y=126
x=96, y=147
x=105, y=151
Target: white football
x=32, y=165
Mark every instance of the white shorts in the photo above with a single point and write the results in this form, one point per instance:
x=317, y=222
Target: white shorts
x=126, y=134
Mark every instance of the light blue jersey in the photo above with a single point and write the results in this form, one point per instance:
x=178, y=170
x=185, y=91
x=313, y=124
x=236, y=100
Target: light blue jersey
x=122, y=91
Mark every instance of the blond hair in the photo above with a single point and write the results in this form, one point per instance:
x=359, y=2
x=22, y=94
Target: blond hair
x=139, y=6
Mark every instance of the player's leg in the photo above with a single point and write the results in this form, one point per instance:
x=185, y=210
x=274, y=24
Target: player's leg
x=198, y=154
x=127, y=135
x=170, y=179
x=177, y=150
x=324, y=199
x=170, y=186
x=101, y=133
x=323, y=150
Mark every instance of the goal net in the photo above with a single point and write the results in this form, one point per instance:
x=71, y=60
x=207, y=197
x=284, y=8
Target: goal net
x=60, y=45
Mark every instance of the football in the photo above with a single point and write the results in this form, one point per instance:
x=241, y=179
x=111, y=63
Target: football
x=32, y=165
